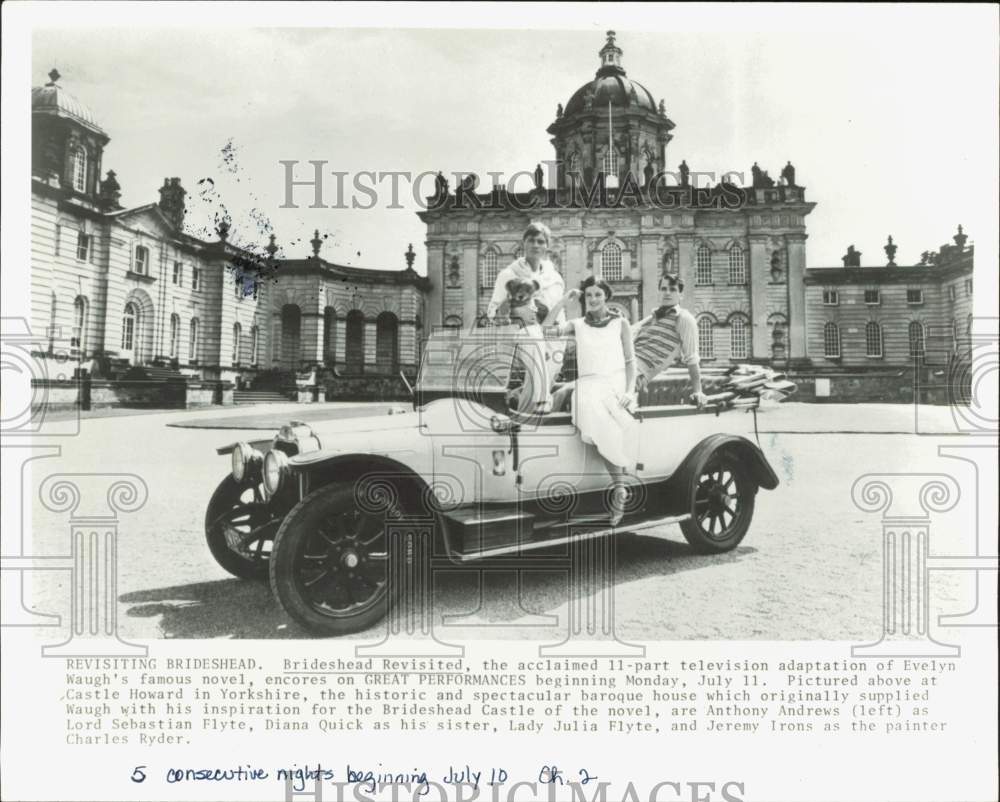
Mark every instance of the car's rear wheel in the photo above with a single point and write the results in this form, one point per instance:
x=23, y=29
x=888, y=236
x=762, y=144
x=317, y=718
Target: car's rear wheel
x=330, y=568
x=240, y=529
x=721, y=502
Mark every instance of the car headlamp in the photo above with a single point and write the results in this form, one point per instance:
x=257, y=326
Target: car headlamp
x=275, y=468
x=246, y=460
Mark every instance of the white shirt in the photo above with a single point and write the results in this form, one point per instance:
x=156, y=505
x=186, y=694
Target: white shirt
x=551, y=286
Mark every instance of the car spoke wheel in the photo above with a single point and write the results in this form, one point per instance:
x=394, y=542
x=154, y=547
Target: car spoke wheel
x=330, y=566
x=722, y=496
x=240, y=529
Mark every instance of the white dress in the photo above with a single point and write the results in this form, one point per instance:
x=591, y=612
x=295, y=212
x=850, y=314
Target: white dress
x=600, y=385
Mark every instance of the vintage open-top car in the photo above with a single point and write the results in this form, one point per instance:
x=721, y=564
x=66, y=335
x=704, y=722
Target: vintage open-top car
x=330, y=512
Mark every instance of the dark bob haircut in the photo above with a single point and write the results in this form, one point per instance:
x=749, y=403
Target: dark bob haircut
x=593, y=281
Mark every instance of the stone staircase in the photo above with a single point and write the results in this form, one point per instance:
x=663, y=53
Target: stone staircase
x=259, y=397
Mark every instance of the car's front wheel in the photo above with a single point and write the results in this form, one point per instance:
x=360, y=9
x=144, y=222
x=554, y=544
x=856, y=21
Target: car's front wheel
x=239, y=529
x=330, y=566
x=721, y=495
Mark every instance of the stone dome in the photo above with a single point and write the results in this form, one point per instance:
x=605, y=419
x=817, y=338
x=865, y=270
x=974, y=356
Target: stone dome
x=52, y=99
x=614, y=87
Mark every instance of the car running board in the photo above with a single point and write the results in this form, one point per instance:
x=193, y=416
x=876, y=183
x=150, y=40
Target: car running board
x=602, y=528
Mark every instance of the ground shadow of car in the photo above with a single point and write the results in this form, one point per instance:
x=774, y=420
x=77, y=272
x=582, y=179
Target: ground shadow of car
x=485, y=596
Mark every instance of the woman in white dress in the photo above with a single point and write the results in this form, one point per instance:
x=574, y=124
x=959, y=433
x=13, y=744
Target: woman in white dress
x=605, y=370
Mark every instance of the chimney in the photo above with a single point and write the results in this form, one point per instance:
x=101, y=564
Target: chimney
x=172, y=201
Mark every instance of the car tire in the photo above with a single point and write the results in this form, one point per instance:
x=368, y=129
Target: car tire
x=330, y=566
x=721, y=495
x=244, y=510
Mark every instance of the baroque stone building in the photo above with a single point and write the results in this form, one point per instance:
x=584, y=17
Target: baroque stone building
x=873, y=316
x=118, y=288
x=614, y=208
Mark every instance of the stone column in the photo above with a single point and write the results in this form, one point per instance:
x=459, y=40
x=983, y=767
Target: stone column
x=407, y=343
x=685, y=263
x=94, y=502
x=470, y=284
x=435, y=295
x=370, y=338
x=311, y=338
x=650, y=266
x=574, y=265
x=905, y=501
x=759, y=274
x=340, y=344
x=796, y=295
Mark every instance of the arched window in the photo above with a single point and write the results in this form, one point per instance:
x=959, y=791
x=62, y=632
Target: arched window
x=490, y=268
x=354, y=347
x=130, y=323
x=611, y=262
x=78, y=339
x=703, y=273
x=79, y=169
x=916, y=338
x=193, y=340
x=291, y=336
x=175, y=335
x=386, y=343
x=706, y=338
x=737, y=266
x=739, y=339
x=329, y=333
x=968, y=325
x=237, y=336
x=254, y=344
x=873, y=339
x=831, y=341
x=611, y=162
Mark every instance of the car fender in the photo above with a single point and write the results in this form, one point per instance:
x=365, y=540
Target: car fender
x=760, y=469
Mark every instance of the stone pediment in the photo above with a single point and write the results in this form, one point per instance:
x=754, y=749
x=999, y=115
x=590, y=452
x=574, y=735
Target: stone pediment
x=148, y=219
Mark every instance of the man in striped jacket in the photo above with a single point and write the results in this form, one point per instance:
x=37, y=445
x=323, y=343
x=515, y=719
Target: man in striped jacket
x=666, y=334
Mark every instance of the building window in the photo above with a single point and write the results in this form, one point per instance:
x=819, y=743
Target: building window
x=354, y=345
x=453, y=322
x=873, y=297
x=831, y=341
x=574, y=167
x=195, y=279
x=831, y=298
x=914, y=297
x=80, y=169
x=968, y=325
x=254, y=341
x=873, y=340
x=82, y=247
x=129, y=321
x=954, y=335
x=237, y=335
x=175, y=335
x=739, y=342
x=178, y=273
x=968, y=286
x=951, y=292
x=916, y=338
x=611, y=262
x=706, y=342
x=611, y=162
x=703, y=273
x=79, y=324
x=141, y=265
x=737, y=266
x=193, y=340
x=491, y=266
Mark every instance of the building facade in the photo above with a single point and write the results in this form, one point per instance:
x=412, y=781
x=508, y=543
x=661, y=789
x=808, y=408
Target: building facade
x=869, y=317
x=613, y=209
x=117, y=288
